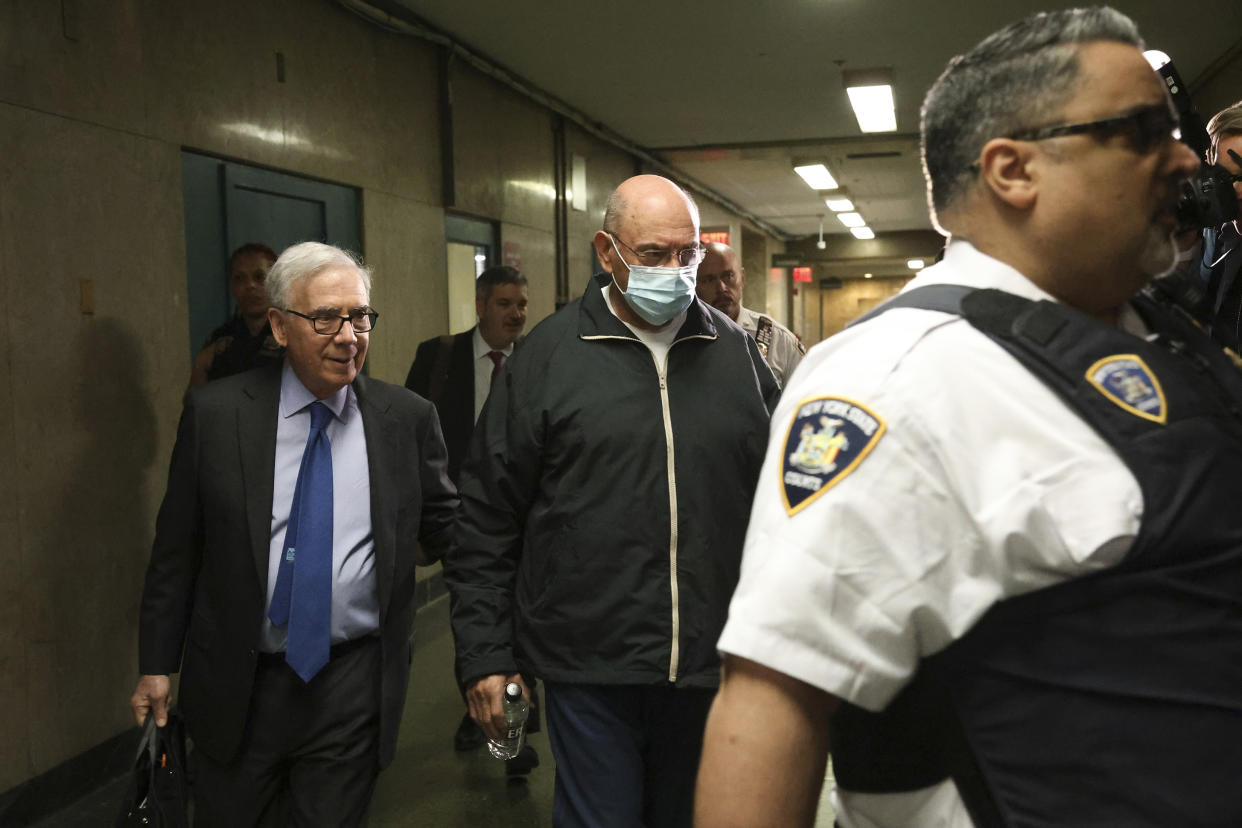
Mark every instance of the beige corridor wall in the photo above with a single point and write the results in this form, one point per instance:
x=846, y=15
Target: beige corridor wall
x=91, y=134
x=96, y=108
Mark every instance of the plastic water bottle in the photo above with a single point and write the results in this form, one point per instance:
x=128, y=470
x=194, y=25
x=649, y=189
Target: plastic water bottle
x=516, y=709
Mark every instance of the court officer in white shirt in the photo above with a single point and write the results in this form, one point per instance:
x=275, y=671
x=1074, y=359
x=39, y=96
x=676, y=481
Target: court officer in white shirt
x=994, y=560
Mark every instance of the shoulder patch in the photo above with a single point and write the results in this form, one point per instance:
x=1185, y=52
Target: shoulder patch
x=1126, y=380
x=828, y=438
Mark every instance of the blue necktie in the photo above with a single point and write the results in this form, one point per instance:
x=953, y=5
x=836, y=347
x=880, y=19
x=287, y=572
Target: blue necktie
x=303, y=595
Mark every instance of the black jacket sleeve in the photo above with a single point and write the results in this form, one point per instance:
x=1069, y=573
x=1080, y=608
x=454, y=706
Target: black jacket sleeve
x=418, y=379
x=768, y=386
x=167, y=593
x=439, y=495
x=498, y=484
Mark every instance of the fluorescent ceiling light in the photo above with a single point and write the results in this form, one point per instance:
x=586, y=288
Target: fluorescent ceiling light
x=873, y=106
x=866, y=275
x=915, y=264
x=851, y=219
x=839, y=205
x=862, y=232
x=817, y=176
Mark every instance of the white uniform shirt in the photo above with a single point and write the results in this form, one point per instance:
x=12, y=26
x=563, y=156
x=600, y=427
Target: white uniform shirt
x=785, y=350
x=984, y=485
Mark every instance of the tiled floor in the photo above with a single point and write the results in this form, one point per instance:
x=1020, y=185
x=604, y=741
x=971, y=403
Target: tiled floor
x=428, y=784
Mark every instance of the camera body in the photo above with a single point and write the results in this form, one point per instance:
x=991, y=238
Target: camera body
x=1207, y=198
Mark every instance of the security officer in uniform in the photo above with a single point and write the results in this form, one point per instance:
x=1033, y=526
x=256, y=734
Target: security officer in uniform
x=995, y=552
x=721, y=281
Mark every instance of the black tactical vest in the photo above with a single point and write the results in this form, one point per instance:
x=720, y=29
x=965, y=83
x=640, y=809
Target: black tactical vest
x=1113, y=699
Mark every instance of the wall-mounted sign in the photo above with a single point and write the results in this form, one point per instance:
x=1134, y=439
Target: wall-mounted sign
x=786, y=260
x=802, y=274
x=717, y=236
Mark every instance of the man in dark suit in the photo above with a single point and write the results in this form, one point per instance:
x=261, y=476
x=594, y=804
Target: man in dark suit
x=284, y=558
x=455, y=372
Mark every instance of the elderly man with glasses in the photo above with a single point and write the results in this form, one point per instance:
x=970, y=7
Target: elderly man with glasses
x=995, y=557
x=281, y=581
x=604, y=500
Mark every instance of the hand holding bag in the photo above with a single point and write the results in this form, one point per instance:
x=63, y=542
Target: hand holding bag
x=158, y=793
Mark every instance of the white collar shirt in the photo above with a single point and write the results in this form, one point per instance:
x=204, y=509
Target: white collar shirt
x=355, y=600
x=483, y=369
x=984, y=485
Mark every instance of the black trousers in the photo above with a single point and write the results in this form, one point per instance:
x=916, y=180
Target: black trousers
x=626, y=756
x=309, y=756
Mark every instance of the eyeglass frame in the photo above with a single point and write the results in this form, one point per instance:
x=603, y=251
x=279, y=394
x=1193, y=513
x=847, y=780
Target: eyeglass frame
x=1114, y=126
x=1107, y=128
x=698, y=248
x=371, y=314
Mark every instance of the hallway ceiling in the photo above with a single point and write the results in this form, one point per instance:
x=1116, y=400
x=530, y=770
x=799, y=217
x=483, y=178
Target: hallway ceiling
x=735, y=92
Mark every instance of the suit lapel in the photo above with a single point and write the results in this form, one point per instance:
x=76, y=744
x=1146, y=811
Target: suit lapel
x=256, y=438
x=383, y=459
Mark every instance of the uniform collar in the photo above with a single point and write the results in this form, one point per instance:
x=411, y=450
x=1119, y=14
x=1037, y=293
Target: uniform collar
x=963, y=264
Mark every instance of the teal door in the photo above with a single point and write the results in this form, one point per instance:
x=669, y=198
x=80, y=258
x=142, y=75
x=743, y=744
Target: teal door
x=229, y=204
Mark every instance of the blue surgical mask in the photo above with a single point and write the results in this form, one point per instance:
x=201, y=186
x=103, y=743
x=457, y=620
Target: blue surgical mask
x=657, y=294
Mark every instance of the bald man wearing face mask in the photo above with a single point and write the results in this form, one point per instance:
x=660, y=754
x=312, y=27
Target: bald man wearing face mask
x=605, y=496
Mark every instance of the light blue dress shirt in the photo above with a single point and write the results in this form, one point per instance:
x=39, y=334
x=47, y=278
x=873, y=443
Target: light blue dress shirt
x=355, y=602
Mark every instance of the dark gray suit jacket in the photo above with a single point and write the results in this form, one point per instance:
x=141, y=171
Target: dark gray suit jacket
x=206, y=584
x=452, y=392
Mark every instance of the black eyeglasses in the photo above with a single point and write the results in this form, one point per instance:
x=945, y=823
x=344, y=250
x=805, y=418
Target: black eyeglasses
x=1145, y=129
x=330, y=324
x=687, y=256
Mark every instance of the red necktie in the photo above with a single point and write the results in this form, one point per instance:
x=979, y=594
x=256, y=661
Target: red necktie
x=497, y=358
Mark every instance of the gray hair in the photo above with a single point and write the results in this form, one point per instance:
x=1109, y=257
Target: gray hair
x=301, y=261
x=1226, y=123
x=1014, y=79
x=493, y=276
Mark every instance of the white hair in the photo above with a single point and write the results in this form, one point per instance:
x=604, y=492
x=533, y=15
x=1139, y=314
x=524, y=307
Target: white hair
x=301, y=261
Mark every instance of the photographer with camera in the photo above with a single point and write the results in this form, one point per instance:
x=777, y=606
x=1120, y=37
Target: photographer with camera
x=1218, y=256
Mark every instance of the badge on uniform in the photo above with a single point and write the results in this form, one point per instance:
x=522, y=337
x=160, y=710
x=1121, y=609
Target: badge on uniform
x=828, y=438
x=1126, y=380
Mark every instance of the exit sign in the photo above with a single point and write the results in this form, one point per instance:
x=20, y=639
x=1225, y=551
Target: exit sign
x=802, y=274
x=714, y=236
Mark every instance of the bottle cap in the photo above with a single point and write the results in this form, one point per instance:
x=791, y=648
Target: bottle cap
x=513, y=691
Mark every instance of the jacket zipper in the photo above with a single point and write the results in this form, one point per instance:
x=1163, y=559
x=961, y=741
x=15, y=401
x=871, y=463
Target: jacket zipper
x=675, y=651
x=666, y=411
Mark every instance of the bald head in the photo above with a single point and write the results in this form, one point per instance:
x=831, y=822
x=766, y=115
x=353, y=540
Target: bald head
x=721, y=279
x=644, y=195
